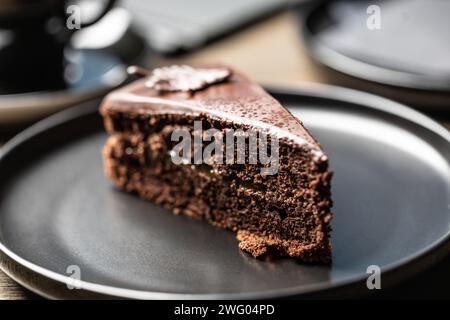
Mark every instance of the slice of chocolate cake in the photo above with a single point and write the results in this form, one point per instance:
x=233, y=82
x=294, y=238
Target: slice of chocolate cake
x=208, y=143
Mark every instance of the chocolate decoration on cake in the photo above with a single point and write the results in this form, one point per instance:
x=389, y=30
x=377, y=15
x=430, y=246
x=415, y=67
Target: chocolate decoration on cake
x=181, y=77
x=287, y=213
x=139, y=71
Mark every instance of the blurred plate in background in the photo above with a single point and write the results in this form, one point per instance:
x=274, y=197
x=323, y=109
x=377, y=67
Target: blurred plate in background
x=408, y=54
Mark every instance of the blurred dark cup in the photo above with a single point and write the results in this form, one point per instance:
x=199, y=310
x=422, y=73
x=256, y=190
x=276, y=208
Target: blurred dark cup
x=33, y=37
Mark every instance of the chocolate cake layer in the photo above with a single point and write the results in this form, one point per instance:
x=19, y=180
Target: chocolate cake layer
x=286, y=213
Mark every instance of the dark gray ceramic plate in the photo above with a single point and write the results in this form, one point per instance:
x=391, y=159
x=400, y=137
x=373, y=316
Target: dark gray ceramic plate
x=58, y=213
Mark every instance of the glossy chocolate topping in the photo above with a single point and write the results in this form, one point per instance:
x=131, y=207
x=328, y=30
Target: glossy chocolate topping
x=215, y=90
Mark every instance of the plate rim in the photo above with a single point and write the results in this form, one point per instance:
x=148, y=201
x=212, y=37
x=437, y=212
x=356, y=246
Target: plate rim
x=17, y=267
x=359, y=69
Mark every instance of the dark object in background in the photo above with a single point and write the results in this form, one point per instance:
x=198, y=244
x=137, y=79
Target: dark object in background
x=139, y=246
x=407, y=58
x=33, y=37
x=93, y=63
x=173, y=26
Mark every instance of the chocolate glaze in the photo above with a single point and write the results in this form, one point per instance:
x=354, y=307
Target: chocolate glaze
x=216, y=90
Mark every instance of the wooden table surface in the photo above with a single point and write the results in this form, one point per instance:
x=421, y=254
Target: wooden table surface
x=271, y=52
